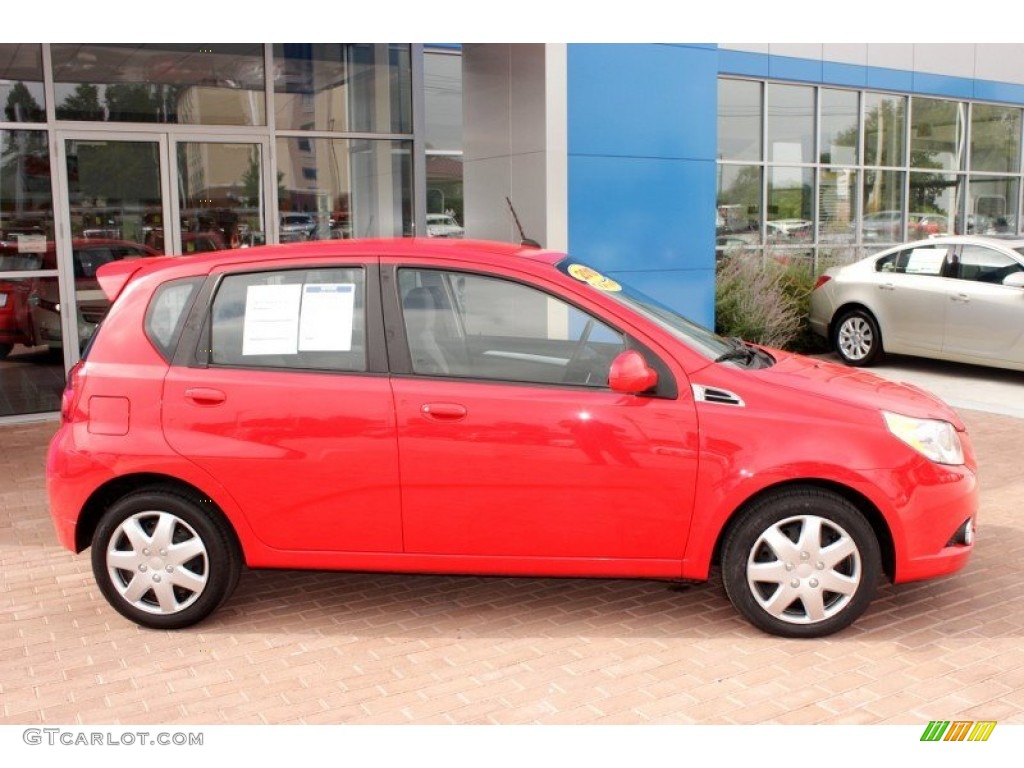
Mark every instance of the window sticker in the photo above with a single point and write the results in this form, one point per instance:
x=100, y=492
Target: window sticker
x=593, y=278
x=925, y=261
x=31, y=243
x=325, y=324
x=271, y=324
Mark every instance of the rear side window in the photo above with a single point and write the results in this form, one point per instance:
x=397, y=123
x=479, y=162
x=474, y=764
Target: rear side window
x=923, y=260
x=167, y=312
x=308, y=319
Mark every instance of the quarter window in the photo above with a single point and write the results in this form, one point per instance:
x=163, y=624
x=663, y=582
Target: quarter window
x=474, y=326
x=312, y=319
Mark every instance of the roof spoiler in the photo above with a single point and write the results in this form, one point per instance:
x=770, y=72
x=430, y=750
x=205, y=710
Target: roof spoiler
x=115, y=275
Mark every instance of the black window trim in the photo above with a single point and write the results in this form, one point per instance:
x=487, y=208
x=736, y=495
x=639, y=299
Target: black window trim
x=401, y=361
x=193, y=349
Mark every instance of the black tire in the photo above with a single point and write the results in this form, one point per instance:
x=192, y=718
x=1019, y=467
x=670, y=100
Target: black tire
x=857, y=339
x=5, y=350
x=780, y=558
x=184, y=552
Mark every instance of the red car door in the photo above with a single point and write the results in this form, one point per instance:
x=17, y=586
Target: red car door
x=513, y=447
x=291, y=412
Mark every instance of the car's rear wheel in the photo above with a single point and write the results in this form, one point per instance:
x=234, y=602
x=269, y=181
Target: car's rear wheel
x=857, y=339
x=163, y=561
x=802, y=562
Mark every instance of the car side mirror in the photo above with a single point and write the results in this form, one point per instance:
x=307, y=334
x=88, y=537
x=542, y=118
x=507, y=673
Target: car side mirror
x=630, y=373
x=1014, y=280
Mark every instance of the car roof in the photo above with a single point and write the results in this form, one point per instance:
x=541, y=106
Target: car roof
x=1009, y=241
x=115, y=275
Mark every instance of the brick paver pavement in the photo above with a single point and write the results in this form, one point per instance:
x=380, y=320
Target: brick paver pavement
x=294, y=647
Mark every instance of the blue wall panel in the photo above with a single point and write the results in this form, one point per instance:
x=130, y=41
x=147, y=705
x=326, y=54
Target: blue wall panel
x=743, y=63
x=639, y=100
x=642, y=131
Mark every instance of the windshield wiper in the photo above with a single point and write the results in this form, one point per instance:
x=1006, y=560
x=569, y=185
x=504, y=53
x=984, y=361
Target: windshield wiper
x=740, y=351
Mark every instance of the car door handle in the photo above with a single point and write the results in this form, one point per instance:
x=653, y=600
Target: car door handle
x=887, y=287
x=443, y=411
x=963, y=298
x=205, y=396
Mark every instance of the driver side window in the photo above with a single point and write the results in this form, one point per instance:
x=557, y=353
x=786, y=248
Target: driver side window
x=468, y=325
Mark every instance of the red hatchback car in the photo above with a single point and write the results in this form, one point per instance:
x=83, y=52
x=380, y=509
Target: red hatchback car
x=453, y=406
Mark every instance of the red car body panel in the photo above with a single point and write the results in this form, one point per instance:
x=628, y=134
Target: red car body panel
x=372, y=471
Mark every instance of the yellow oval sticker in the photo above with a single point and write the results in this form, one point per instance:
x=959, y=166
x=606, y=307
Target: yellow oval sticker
x=593, y=277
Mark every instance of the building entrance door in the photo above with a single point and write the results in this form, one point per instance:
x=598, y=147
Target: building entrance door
x=135, y=195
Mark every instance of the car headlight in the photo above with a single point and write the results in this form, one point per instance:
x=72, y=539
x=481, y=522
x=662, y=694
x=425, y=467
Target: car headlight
x=935, y=440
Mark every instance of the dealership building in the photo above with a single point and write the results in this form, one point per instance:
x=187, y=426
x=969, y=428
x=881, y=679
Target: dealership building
x=647, y=161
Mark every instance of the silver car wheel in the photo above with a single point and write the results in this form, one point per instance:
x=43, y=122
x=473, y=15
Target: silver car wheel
x=157, y=562
x=856, y=338
x=804, y=570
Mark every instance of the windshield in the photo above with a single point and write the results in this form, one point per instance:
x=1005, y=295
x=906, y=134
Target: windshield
x=703, y=340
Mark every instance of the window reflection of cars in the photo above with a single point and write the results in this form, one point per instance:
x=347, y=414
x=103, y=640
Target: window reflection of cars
x=443, y=225
x=789, y=229
x=920, y=225
x=885, y=226
x=296, y=227
x=44, y=299
x=14, y=296
x=957, y=298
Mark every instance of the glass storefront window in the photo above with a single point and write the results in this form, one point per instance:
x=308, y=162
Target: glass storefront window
x=341, y=188
x=790, y=210
x=193, y=84
x=885, y=121
x=220, y=196
x=26, y=200
x=31, y=378
x=995, y=138
x=442, y=96
x=992, y=205
x=21, y=83
x=934, y=204
x=114, y=190
x=739, y=120
x=738, y=215
x=937, y=131
x=840, y=127
x=334, y=87
x=837, y=205
x=882, y=221
x=790, y=110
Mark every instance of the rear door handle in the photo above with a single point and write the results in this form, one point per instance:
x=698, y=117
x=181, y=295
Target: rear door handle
x=205, y=396
x=887, y=287
x=963, y=298
x=443, y=411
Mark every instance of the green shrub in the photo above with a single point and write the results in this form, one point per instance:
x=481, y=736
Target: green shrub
x=766, y=300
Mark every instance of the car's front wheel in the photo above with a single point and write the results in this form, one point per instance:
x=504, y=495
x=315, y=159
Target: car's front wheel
x=802, y=562
x=164, y=561
x=857, y=339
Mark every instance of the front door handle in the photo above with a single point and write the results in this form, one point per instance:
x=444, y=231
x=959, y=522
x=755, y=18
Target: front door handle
x=887, y=287
x=963, y=298
x=443, y=411
x=205, y=396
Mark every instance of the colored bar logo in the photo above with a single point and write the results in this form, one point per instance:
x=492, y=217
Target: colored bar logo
x=958, y=730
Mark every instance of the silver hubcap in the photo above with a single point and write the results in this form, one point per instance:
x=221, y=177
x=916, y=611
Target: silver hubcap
x=804, y=569
x=856, y=338
x=157, y=562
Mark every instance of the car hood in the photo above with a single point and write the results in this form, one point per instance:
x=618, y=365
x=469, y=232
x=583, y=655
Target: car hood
x=831, y=381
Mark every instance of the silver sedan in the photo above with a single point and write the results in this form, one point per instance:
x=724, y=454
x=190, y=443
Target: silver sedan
x=951, y=298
